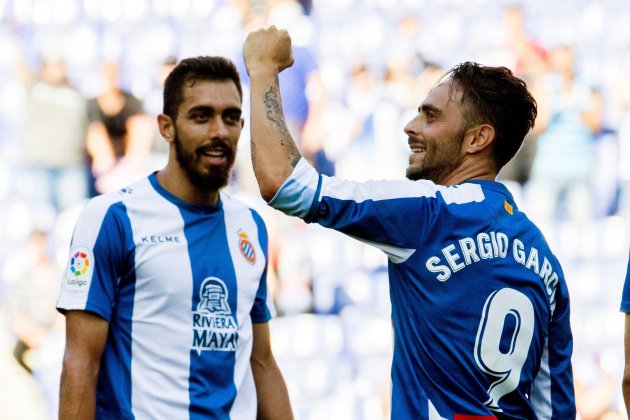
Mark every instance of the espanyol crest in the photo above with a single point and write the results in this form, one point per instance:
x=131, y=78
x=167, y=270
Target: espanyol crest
x=246, y=247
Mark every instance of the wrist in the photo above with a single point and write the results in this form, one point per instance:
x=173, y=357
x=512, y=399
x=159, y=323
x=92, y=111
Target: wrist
x=262, y=72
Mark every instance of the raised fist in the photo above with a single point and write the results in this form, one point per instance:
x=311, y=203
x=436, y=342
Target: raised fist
x=267, y=50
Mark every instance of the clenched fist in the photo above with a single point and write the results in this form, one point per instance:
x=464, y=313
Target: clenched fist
x=267, y=50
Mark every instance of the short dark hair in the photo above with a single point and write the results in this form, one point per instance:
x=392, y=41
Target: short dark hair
x=493, y=95
x=189, y=70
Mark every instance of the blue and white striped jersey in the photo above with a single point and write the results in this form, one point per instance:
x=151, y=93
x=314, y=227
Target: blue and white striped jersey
x=180, y=286
x=625, y=297
x=480, y=308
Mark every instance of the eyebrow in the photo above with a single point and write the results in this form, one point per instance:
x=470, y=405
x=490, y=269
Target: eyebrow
x=429, y=107
x=209, y=109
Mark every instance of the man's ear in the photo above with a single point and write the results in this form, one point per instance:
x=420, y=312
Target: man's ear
x=167, y=127
x=479, y=138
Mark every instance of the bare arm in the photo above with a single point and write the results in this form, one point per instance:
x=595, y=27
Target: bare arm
x=140, y=129
x=272, y=394
x=85, y=340
x=626, y=372
x=99, y=148
x=312, y=138
x=274, y=154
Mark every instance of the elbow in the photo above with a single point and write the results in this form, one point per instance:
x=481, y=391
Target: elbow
x=77, y=364
x=268, y=189
x=267, y=194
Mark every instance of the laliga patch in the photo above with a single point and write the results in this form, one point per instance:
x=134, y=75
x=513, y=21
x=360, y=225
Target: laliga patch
x=79, y=272
x=246, y=247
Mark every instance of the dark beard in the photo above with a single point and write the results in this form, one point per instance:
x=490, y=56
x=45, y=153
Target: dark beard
x=437, y=173
x=415, y=173
x=213, y=180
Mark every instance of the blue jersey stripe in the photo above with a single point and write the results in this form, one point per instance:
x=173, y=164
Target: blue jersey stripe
x=114, y=384
x=211, y=389
x=260, y=311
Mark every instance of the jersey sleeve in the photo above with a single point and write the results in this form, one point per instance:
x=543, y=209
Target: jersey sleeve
x=97, y=260
x=263, y=309
x=379, y=213
x=553, y=394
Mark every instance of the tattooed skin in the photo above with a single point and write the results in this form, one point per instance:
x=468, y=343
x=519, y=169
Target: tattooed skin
x=274, y=113
x=272, y=102
x=253, y=149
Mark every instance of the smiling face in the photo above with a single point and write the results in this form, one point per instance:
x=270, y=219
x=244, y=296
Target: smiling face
x=206, y=132
x=436, y=134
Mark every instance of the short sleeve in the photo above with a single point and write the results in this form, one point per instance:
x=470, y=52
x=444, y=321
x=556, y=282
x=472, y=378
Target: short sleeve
x=98, y=259
x=262, y=310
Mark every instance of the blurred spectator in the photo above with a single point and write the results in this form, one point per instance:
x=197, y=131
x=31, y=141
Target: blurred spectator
x=119, y=134
x=54, y=134
x=353, y=129
x=605, y=180
x=528, y=59
x=563, y=168
x=153, y=106
x=301, y=85
x=38, y=328
x=624, y=166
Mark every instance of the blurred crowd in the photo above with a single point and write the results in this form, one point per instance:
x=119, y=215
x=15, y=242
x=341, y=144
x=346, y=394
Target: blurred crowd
x=81, y=80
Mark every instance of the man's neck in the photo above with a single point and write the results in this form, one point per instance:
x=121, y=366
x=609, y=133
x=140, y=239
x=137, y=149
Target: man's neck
x=177, y=183
x=470, y=170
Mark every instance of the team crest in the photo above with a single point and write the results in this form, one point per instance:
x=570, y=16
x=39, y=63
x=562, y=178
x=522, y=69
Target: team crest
x=214, y=327
x=246, y=247
x=79, y=271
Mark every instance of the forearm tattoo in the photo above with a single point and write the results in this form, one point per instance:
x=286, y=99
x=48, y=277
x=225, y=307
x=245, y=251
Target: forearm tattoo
x=274, y=114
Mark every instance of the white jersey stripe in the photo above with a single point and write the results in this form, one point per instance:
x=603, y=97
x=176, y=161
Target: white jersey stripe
x=541, y=388
x=164, y=380
x=239, y=224
x=396, y=255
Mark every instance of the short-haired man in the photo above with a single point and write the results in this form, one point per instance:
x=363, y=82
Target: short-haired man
x=480, y=307
x=165, y=291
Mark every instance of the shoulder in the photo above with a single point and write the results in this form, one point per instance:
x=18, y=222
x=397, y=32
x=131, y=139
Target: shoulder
x=462, y=193
x=238, y=206
x=455, y=194
x=102, y=203
x=244, y=211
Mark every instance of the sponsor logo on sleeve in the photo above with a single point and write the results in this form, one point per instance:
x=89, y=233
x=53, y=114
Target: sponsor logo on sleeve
x=79, y=272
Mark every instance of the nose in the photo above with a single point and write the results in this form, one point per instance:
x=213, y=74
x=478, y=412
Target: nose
x=412, y=127
x=218, y=127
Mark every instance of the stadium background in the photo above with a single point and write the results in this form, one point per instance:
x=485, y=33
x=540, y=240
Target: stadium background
x=375, y=60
